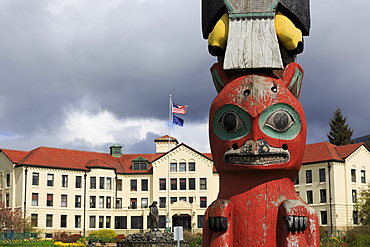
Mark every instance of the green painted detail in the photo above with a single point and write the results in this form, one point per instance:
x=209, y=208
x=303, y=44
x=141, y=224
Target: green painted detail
x=273, y=6
x=229, y=6
x=140, y=159
x=253, y=14
x=217, y=80
x=297, y=77
x=221, y=132
x=290, y=133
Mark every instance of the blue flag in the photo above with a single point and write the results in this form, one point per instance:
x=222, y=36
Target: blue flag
x=177, y=120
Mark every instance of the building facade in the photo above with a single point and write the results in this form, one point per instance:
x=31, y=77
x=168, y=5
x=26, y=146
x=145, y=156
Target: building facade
x=336, y=172
x=79, y=191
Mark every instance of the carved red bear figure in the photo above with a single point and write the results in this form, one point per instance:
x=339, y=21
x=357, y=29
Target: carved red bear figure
x=257, y=132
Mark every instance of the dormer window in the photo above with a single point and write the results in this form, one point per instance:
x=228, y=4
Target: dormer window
x=140, y=164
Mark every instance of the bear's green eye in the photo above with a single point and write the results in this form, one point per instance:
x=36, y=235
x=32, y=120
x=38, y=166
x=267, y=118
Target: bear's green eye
x=231, y=121
x=280, y=120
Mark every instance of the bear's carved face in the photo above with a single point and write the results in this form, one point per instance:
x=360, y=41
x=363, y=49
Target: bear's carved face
x=256, y=123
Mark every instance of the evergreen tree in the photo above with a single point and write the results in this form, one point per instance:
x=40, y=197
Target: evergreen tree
x=340, y=133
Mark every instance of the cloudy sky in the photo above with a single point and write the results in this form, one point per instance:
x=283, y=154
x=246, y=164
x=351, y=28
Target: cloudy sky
x=87, y=74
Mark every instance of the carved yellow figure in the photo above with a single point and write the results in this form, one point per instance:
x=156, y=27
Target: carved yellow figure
x=250, y=34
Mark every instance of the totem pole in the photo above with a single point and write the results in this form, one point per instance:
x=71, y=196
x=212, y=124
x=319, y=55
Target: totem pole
x=257, y=126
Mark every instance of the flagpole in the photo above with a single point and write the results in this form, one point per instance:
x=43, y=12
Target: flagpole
x=168, y=175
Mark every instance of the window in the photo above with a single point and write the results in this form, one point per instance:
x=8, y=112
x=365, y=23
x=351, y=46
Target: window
x=143, y=166
x=7, y=199
x=324, y=218
x=63, y=201
x=77, y=221
x=133, y=203
x=133, y=185
x=93, y=183
x=101, y=221
x=182, y=199
x=65, y=181
x=101, y=183
x=353, y=175
x=162, y=184
x=191, y=166
x=50, y=180
x=182, y=167
x=182, y=183
x=77, y=201
x=191, y=183
x=355, y=218
x=92, y=221
x=108, y=203
x=203, y=183
x=119, y=184
x=323, y=196
x=120, y=222
x=173, y=183
x=363, y=177
x=49, y=200
x=107, y=221
x=63, y=221
x=92, y=201
x=78, y=182
x=203, y=202
x=136, y=222
x=136, y=166
x=34, y=219
x=309, y=177
x=200, y=221
x=101, y=201
x=173, y=199
x=144, y=184
x=309, y=197
x=35, y=178
x=49, y=220
x=144, y=202
x=109, y=183
x=322, y=175
x=354, y=196
x=173, y=167
x=8, y=180
x=296, y=181
x=162, y=202
x=119, y=203
x=162, y=221
x=35, y=199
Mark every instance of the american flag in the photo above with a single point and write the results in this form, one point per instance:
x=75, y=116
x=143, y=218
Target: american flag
x=179, y=109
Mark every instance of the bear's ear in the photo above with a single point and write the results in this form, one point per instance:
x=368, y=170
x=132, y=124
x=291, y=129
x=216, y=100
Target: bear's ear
x=219, y=77
x=292, y=77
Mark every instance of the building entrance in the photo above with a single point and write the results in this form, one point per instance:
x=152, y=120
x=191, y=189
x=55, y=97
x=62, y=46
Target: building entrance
x=183, y=220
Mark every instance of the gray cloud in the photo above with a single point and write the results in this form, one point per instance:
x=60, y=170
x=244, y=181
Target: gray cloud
x=127, y=57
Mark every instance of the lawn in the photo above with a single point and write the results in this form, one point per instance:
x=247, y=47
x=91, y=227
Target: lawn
x=39, y=243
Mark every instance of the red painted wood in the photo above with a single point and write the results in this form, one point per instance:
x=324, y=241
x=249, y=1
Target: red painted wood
x=259, y=196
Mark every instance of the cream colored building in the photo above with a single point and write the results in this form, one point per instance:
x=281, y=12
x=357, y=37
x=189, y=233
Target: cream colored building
x=338, y=172
x=79, y=191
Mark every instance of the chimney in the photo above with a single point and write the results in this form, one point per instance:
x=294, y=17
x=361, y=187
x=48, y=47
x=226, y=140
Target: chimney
x=116, y=150
x=161, y=144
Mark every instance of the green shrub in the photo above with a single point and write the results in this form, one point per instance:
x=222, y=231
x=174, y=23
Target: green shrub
x=361, y=241
x=103, y=234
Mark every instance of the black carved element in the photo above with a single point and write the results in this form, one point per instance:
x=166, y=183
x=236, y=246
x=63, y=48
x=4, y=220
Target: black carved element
x=217, y=224
x=296, y=223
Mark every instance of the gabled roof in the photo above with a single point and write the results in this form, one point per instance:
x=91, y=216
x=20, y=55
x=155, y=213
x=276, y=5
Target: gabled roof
x=325, y=152
x=14, y=156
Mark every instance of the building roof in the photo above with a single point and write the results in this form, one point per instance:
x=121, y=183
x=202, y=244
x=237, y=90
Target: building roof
x=325, y=152
x=165, y=138
x=59, y=158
